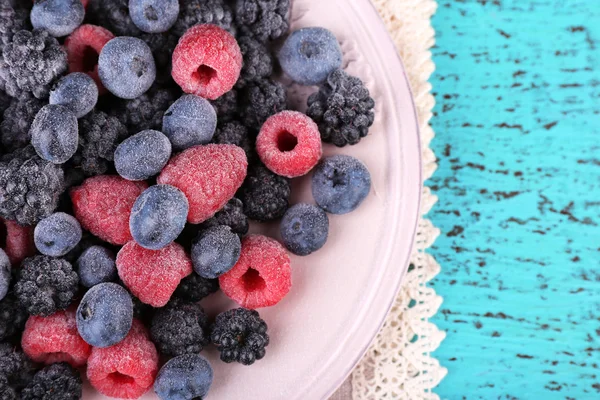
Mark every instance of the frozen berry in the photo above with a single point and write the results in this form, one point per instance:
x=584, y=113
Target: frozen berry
x=19, y=241
x=96, y=265
x=215, y=251
x=55, y=134
x=207, y=61
x=17, y=120
x=309, y=55
x=5, y=275
x=340, y=184
x=265, y=195
x=289, y=144
x=127, y=369
x=55, y=339
x=76, y=91
x=262, y=276
x=240, y=335
x=304, y=229
x=197, y=12
x=113, y=15
x=56, y=381
x=153, y=275
x=194, y=288
x=158, y=216
x=234, y=132
x=186, y=377
x=104, y=315
x=258, y=62
x=16, y=371
x=260, y=99
x=263, y=19
x=142, y=155
x=208, y=175
x=57, y=234
x=231, y=215
x=190, y=121
x=58, y=17
x=12, y=318
x=154, y=16
x=126, y=67
x=102, y=205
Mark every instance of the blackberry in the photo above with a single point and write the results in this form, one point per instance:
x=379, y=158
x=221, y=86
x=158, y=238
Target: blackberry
x=56, y=381
x=234, y=132
x=13, y=18
x=226, y=106
x=261, y=99
x=5, y=101
x=180, y=328
x=7, y=392
x=240, y=335
x=342, y=108
x=162, y=46
x=258, y=61
x=14, y=129
x=194, y=288
x=264, y=194
x=195, y=12
x=112, y=15
x=262, y=19
x=15, y=366
x=12, y=318
x=46, y=285
x=146, y=111
x=232, y=215
x=31, y=62
x=29, y=186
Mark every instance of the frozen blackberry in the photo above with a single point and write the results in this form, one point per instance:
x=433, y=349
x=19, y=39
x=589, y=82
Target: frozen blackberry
x=15, y=366
x=5, y=101
x=240, y=335
x=195, y=12
x=226, y=106
x=12, y=318
x=162, y=46
x=30, y=64
x=46, y=285
x=232, y=215
x=13, y=18
x=264, y=194
x=262, y=19
x=29, y=186
x=194, y=288
x=258, y=62
x=261, y=99
x=112, y=15
x=343, y=109
x=7, y=392
x=146, y=111
x=180, y=328
x=234, y=132
x=18, y=118
x=54, y=382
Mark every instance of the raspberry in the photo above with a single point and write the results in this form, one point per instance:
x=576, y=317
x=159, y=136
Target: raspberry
x=55, y=339
x=208, y=175
x=127, y=369
x=83, y=48
x=261, y=277
x=19, y=241
x=207, y=61
x=289, y=144
x=102, y=205
x=152, y=276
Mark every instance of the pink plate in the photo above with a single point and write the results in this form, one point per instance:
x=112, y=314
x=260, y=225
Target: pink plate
x=342, y=293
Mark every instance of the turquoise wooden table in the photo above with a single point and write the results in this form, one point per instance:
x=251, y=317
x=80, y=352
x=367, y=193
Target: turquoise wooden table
x=518, y=139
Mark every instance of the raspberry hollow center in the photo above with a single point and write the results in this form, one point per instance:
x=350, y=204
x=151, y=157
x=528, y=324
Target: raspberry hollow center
x=203, y=75
x=120, y=379
x=286, y=141
x=89, y=59
x=253, y=281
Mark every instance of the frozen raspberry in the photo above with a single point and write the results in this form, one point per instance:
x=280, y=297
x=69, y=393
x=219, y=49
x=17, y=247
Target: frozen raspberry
x=102, y=205
x=289, y=144
x=262, y=276
x=55, y=339
x=208, y=175
x=18, y=243
x=207, y=61
x=152, y=276
x=127, y=369
x=83, y=48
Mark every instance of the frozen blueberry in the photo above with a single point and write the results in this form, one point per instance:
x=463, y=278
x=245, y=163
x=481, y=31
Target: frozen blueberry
x=215, y=251
x=190, y=121
x=105, y=315
x=340, y=184
x=96, y=265
x=185, y=377
x=304, y=229
x=54, y=133
x=126, y=67
x=309, y=55
x=57, y=234
x=4, y=274
x=158, y=216
x=154, y=16
x=142, y=155
x=76, y=91
x=58, y=17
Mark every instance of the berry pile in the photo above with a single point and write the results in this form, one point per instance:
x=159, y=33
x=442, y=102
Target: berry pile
x=139, y=137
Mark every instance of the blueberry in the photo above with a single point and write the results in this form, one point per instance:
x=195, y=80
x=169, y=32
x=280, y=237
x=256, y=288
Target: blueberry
x=57, y=234
x=96, y=265
x=126, y=67
x=158, y=216
x=309, y=55
x=54, y=133
x=142, y=155
x=190, y=121
x=184, y=377
x=105, y=315
x=340, y=184
x=215, y=251
x=304, y=229
x=154, y=16
x=4, y=274
x=58, y=17
x=76, y=91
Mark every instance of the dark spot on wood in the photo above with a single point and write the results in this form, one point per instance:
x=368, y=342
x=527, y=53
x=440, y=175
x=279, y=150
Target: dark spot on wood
x=478, y=324
x=457, y=230
x=568, y=353
x=447, y=150
x=496, y=334
x=504, y=125
x=518, y=73
x=506, y=35
x=548, y=372
x=576, y=28
x=550, y=125
x=575, y=259
x=506, y=195
x=481, y=263
x=578, y=290
x=476, y=166
x=452, y=282
x=518, y=173
x=539, y=232
x=525, y=356
x=571, y=85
